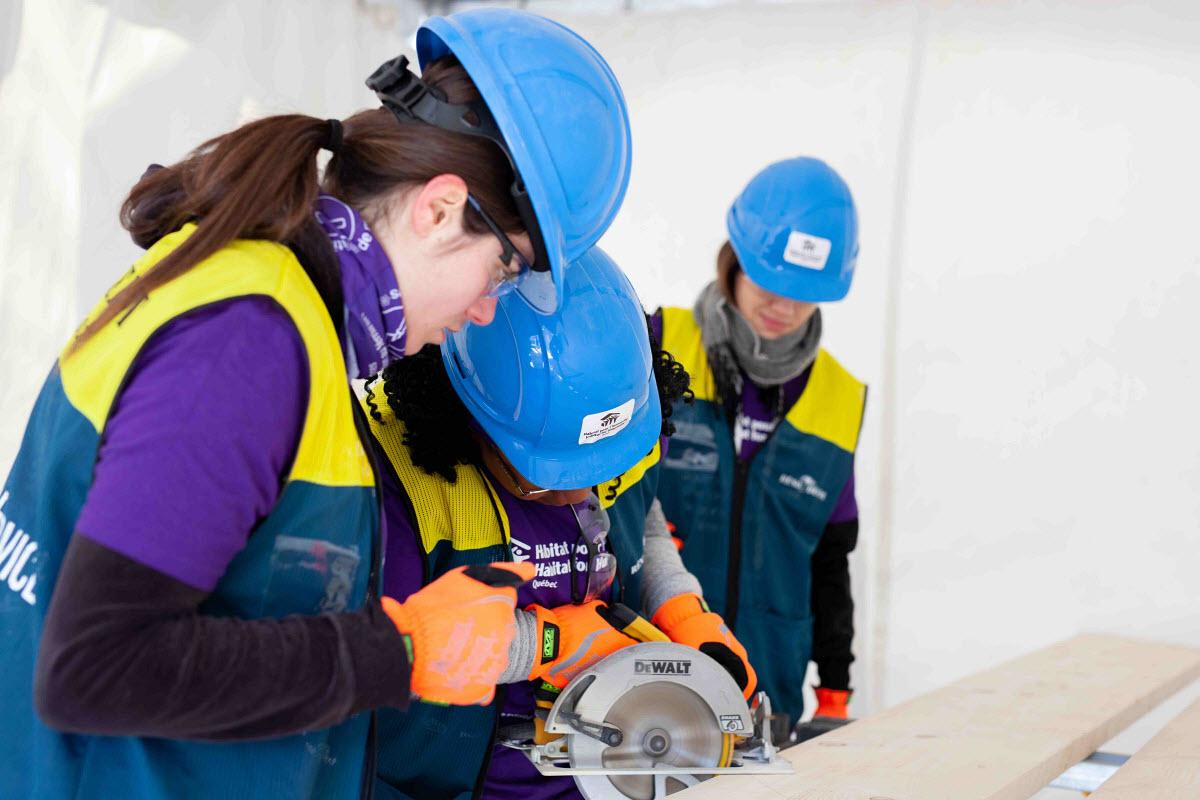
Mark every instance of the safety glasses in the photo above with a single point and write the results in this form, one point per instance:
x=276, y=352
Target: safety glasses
x=510, y=277
x=591, y=579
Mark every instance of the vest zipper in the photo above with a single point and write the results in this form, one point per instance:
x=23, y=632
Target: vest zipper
x=498, y=700
x=363, y=428
x=741, y=475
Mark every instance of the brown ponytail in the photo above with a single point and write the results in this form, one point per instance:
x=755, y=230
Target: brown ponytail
x=727, y=270
x=260, y=181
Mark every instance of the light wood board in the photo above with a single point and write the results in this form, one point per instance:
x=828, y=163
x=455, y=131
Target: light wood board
x=1003, y=734
x=1167, y=768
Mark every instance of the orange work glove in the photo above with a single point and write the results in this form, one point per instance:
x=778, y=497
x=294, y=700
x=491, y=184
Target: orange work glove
x=832, y=703
x=458, y=629
x=687, y=620
x=572, y=638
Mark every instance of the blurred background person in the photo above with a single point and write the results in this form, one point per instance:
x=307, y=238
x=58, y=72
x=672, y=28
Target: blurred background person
x=759, y=477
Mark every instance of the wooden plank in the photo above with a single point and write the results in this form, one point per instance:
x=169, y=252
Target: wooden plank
x=1167, y=767
x=1003, y=734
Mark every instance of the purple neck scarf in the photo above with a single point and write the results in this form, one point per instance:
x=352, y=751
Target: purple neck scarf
x=374, y=312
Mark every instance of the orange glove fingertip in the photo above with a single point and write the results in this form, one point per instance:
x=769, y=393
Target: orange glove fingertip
x=457, y=632
x=677, y=609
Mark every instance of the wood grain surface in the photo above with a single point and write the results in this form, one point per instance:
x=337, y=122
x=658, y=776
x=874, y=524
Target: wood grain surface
x=1002, y=734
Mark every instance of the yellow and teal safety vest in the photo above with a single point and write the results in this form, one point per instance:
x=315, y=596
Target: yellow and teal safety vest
x=312, y=554
x=750, y=528
x=443, y=751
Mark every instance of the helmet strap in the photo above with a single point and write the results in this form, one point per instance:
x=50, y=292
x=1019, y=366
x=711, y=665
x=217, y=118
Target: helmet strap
x=412, y=100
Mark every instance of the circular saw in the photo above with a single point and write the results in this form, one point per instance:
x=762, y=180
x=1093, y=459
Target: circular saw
x=652, y=719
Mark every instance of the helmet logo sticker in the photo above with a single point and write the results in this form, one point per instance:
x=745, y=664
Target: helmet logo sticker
x=806, y=250
x=603, y=424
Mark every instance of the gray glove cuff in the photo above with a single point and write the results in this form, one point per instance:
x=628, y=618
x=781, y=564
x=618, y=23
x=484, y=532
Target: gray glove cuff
x=663, y=573
x=522, y=650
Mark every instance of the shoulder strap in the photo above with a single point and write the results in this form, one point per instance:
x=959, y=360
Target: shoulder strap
x=832, y=404
x=681, y=338
x=463, y=513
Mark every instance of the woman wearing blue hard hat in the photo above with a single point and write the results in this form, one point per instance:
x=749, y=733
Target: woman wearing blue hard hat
x=191, y=531
x=759, y=478
x=533, y=440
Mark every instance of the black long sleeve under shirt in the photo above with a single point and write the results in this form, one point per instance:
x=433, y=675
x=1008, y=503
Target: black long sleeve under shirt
x=833, y=605
x=125, y=651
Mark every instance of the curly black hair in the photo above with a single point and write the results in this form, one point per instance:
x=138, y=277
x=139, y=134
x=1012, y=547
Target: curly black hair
x=437, y=426
x=674, y=383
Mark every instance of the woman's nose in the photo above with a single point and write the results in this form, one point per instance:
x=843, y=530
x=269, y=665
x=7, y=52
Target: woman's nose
x=483, y=311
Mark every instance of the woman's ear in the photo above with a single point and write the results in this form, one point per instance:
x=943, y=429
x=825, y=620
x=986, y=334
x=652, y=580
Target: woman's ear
x=437, y=207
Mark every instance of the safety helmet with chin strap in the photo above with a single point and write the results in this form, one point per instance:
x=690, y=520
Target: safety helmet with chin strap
x=570, y=397
x=794, y=229
x=552, y=105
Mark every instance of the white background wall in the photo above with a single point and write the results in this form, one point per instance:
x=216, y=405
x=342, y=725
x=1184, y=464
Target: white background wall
x=1025, y=307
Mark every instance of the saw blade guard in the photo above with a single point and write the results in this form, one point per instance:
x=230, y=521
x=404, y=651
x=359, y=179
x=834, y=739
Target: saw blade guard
x=669, y=706
x=595, y=690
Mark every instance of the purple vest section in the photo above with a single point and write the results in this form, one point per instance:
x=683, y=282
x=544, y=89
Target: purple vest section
x=540, y=534
x=403, y=564
x=756, y=419
x=510, y=776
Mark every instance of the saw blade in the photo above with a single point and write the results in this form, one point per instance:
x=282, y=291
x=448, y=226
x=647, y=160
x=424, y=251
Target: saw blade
x=664, y=724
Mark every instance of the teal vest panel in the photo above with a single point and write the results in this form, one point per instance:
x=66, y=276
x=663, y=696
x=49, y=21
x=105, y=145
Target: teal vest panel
x=793, y=483
x=311, y=554
x=57, y=451
x=627, y=519
x=432, y=751
x=696, y=492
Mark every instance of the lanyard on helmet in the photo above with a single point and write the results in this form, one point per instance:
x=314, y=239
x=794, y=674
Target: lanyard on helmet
x=410, y=99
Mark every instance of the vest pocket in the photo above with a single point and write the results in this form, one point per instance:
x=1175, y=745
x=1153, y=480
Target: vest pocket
x=314, y=573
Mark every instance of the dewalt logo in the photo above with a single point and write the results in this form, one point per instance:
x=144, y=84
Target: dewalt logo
x=662, y=667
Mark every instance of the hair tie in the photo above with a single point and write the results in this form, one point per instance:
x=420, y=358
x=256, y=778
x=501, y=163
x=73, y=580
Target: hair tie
x=333, y=139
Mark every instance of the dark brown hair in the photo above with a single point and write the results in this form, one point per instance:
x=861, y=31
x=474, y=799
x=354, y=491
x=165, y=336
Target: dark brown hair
x=727, y=270
x=260, y=181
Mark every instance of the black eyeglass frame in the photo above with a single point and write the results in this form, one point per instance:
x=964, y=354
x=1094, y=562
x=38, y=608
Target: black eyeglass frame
x=508, y=251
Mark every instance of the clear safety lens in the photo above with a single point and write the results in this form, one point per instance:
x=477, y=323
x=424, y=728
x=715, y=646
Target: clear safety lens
x=592, y=567
x=508, y=276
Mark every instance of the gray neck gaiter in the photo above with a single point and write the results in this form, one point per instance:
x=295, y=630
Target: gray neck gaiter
x=766, y=362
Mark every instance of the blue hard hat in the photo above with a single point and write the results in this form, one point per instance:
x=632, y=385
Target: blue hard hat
x=794, y=230
x=570, y=397
x=563, y=119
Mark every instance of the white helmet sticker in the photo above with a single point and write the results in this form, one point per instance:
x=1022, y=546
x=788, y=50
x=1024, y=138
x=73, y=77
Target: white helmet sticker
x=806, y=250
x=605, y=423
